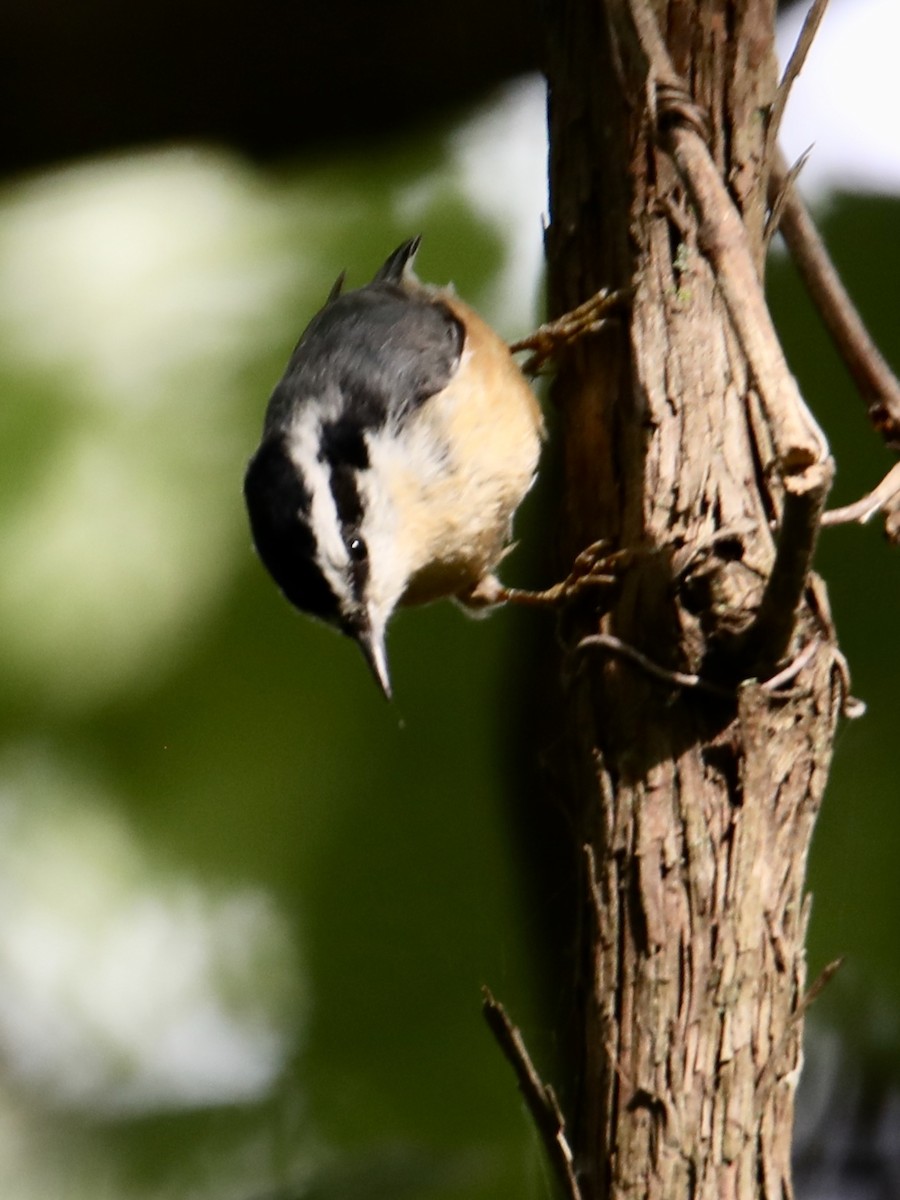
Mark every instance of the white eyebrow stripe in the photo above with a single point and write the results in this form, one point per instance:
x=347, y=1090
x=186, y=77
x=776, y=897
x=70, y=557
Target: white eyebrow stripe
x=304, y=438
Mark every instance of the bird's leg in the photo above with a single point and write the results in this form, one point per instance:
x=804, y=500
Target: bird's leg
x=591, y=569
x=596, y=567
x=548, y=339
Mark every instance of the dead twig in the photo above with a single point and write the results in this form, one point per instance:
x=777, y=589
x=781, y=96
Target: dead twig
x=801, y=454
x=757, y=650
x=798, y=441
x=882, y=497
x=678, y=679
x=794, y=66
x=692, y=682
x=851, y=706
x=789, y=673
x=877, y=383
x=540, y=1097
x=768, y=1076
x=779, y=194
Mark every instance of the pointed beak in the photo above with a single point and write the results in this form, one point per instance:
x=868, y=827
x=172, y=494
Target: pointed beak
x=372, y=646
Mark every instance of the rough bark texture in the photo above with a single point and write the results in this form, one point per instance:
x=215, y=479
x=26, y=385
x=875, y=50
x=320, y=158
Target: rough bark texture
x=692, y=809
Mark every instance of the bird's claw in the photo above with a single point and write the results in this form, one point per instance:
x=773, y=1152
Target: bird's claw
x=595, y=567
x=551, y=337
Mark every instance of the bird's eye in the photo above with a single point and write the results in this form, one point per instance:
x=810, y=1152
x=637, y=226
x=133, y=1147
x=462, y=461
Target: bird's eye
x=358, y=549
x=359, y=565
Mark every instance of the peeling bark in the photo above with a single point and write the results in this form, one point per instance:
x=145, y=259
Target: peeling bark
x=691, y=810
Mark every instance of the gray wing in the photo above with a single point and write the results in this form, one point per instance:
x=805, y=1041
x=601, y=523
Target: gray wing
x=373, y=354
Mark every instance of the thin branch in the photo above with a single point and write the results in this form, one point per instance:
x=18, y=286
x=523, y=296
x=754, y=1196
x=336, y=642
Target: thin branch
x=678, y=679
x=877, y=383
x=793, y=669
x=691, y=682
x=758, y=649
x=825, y=977
x=794, y=66
x=779, y=198
x=798, y=441
x=881, y=497
x=768, y=1076
x=540, y=1098
x=801, y=451
x=851, y=706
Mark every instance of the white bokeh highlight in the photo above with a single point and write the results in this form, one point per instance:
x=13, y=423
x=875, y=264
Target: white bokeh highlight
x=845, y=102
x=124, y=988
x=133, y=292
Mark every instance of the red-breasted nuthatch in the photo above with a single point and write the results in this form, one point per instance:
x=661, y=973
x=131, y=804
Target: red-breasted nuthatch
x=395, y=451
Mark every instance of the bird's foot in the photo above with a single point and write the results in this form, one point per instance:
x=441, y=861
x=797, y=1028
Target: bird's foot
x=595, y=567
x=551, y=337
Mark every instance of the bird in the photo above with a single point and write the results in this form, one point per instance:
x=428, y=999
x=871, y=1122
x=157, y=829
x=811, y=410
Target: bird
x=395, y=451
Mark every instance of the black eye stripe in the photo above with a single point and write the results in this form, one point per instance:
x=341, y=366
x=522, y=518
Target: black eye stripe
x=344, y=450
x=347, y=500
x=279, y=505
x=344, y=445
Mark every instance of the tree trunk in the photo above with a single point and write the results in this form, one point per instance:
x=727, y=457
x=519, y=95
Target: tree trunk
x=693, y=788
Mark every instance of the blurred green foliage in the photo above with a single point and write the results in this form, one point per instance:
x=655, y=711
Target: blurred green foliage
x=853, y=868
x=251, y=905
